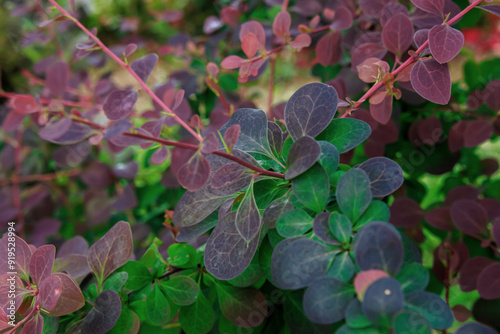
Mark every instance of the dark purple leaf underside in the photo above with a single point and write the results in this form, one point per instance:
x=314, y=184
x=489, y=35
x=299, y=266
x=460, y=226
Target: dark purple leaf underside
x=188, y=233
x=469, y=217
x=42, y=262
x=195, y=173
x=119, y=104
x=445, y=42
x=397, y=34
x=310, y=110
x=385, y=175
x=248, y=220
x=470, y=271
x=431, y=6
x=104, y=315
x=379, y=247
x=302, y=156
x=143, y=66
x=227, y=254
x=432, y=81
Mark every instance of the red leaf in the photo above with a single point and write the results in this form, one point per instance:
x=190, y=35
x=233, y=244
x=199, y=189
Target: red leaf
x=382, y=112
x=281, y=25
x=212, y=69
x=41, y=263
x=24, y=104
x=440, y=218
x=397, y=34
x=470, y=272
x=231, y=136
x=342, y=19
x=445, y=42
x=253, y=27
x=160, y=155
x=232, y=62
x=250, y=45
x=363, y=280
x=301, y=41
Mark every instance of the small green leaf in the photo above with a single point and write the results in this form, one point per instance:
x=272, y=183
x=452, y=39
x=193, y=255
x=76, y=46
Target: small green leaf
x=115, y=281
x=345, y=133
x=197, y=318
x=294, y=223
x=353, y=193
x=413, y=277
x=410, y=322
x=340, y=226
x=157, y=307
x=376, y=211
x=138, y=275
x=182, y=255
x=342, y=267
x=182, y=290
x=312, y=188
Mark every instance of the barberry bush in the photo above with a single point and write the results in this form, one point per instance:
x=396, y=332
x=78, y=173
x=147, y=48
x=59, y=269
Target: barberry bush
x=250, y=167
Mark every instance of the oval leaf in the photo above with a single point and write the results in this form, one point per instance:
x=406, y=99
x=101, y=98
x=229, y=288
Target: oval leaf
x=432, y=81
x=445, y=42
x=119, y=104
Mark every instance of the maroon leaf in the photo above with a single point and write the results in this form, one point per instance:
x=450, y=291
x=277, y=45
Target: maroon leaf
x=328, y=50
x=57, y=78
x=470, y=271
x=41, y=263
x=431, y=6
x=373, y=7
x=469, y=217
x=12, y=121
x=210, y=144
x=160, y=155
x=230, y=179
x=491, y=206
x=382, y=112
x=281, y=25
x=491, y=94
x=430, y=130
x=397, y=34
x=342, y=20
x=231, y=136
x=71, y=298
x=488, y=282
x=445, y=42
x=49, y=292
x=461, y=192
x=461, y=313
x=143, y=66
x=117, y=128
x=301, y=41
x=102, y=318
x=111, y=251
x=24, y=104
x=129, y=49
x=195, y=173
x=456, y=136
x=303, y=155
x=365, y=51
x=495, y=231
x=6, y=294
x=440, y=218
x=33, y=325
x=405, y=212
x=476, y=132
x=432, y=81
x=119, y=104
x=75, y=265
x=75, y=245
x=23, y=257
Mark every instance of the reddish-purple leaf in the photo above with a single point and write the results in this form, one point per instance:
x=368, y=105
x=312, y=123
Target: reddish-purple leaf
x=382, y=112
x=7, y=295
x=469, y=217
x=430, y=130
x=71, y=298
x=431, y=6
x=57, y=78
x=75, y=265
x=405, y=212
x=231, y=135
x=34, y=325
x=117, y=128
x=232, y=62
x=212, y=69
x=255, y=28
x=303, y=155
x=476, y=132
x=328, y=48
x=456, y=136
x=397, y=34
x=364, y=51
x=144, y=66
x=432, y=81
x=195, y=173
x=119, y=104
x=440, y=218
x=421, y=36
x=49, y=292
x=129, y=49
x=12, y=121
x=445, y=42
x=23, y=257
x=55, y=128
x=75, y=245
x=210, y=143
x=373, y=7
x=372, y=69
x=492, y=207
x=230, y=179
x=41, y=263
x=179, y=97
x=494, y=9
x=491, y=94
x=390, y=10
x=470, y=271
x=250, y=45
x=111, y=251
x=342, y=20
x=281, y=25
x=212, y=24
x=461, y=192
x=24, y=104
x=488, y=282
x=301, y=41
x=495, y=231
x=126, y=200
x=160, y=155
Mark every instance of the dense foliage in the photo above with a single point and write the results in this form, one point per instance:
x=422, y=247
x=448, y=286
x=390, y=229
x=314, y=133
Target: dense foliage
x=273, y=167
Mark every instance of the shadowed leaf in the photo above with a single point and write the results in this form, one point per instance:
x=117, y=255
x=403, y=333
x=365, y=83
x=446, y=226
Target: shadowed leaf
x=474, y=327
x=411, y=322
x=435, y=7
x=104, y=315
x=382, y=300
x=195, y=173
x=275, y=210
x=488, y=282
x=182, y=290
x=469, y=217
x=385, y=175
x=197, y=318
x=427, y=304
x=302, y=156
x=243, y=307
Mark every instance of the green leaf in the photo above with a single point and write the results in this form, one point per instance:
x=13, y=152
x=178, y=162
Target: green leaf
x=340, y=226
x=197, y=318
x=342, y=267
x=127, y=323
x=413, y=277
x=157, y=307
x=115, y=281
x=152, y=254
x=353, y=193
x=355, y=317
x=294, y=316
x=182, y=290
x=345, y=133
x=410, y=322
x=50, y=324
x=376, y=211
x=182, y=255
x=243, y=307
x=312, y=188
x=138, y=275
x=294, y=223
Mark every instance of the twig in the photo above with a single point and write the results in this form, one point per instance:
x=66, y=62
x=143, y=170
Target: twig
x=39, y=178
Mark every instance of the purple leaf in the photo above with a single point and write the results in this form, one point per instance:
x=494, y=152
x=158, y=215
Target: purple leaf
x=431, y=6
x=6, y=294
x=476, y=132
x=488, y=282
x=461, y=192
x=310, y=110
x=469, y=217
x=432, y=81
x=373, y=7
x=382, y=112
x=102, y=318
x=111, y=251
x=49, y=292
x=274, y=211
x=126, y=200
x=390, y=10
x=421, y=36
x=57, y=78
x=248, y=220
x=474, y=327
x=129, y=49
x=382, y=300
x=227, y=254
x=303, y=155
x=495, y=231
x=231, y=136
x=33, y=325
x=126, y=170
x=275, y=138
x=470, y=271
x=143, y=66
x=23, y=257
x=119, y=104
x=397, y=34
x=71, y=298
x=364, y=51
x=342, y=20
x=445, y=42
x=494, y=9
x=76, y=133
x=160, y=155
x=75, y=265
x=210, y=144
x=230, y=179
x=195, y=173
x=385, y=175
x=328, y=48
x=117, y=128
x=440, y=218
x=41, y=263
x=55, y=129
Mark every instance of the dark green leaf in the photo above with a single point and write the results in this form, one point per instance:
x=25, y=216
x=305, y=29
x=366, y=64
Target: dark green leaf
x=355, y=317
x=197, y=318
x=157, y=307
x=410, y=322
x=340, y=226
x=353, y=193
x=345, y=133
x=413, y=277
x=182, y=290
x=329, y=158
x=431, y=307
x=115, y=281
x=294, y=223
x=376, y=211
x=244, y=307
x=312, y=188
x=342, y=267
x=182, y=255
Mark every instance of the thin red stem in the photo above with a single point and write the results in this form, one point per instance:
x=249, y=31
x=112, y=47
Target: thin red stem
x=129, y=70
x=410, y=60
